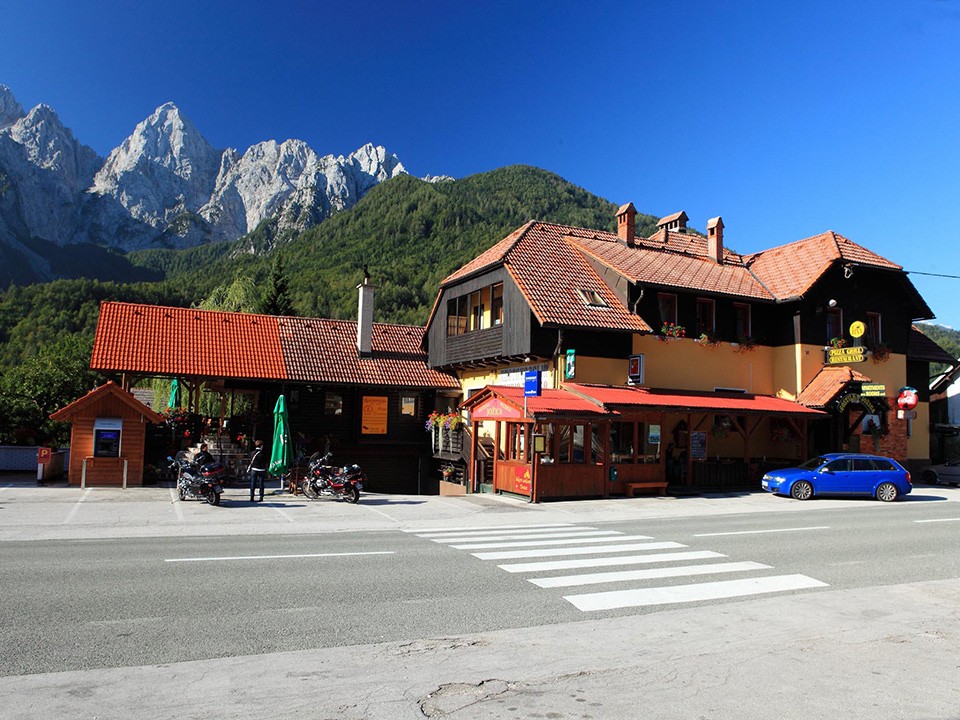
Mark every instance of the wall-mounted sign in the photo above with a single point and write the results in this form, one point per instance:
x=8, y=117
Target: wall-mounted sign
x=374, y=418
x=840, y=356
x=521, y=480
x=873, y=390
x=857, y=399
x=635, y=369
x=531, y=383
x=513, y=377
x=495, y=409
x=907, y=398
x=698, y=445
x=570, y=367
x=857, y=329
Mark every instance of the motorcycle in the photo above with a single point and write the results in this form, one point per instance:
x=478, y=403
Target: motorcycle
x=198, y=483
x=324, y=480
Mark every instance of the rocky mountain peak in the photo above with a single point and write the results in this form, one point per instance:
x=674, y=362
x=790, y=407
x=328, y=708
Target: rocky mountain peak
x=10, y=109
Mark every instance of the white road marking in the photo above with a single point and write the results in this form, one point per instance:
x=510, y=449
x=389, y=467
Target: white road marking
x=572, y=541
x=486, y=527
x=760, y=532
x=526, y=536
x=938, y=520
x=649, y=574
x=69, y=517
x=691, y=593
x=276, y=557
x=507, y=534
x=175, y=499
x=550, y=565
x=553, y=552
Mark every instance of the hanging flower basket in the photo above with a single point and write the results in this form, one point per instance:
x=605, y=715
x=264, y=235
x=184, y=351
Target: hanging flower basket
x=445, y=421
x=880, y=353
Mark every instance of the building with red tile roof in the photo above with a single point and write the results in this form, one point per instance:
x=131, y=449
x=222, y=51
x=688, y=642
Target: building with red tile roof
x=336, y=374
x=587, y=306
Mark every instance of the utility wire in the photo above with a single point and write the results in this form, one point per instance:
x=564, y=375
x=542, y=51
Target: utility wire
x=916, y=272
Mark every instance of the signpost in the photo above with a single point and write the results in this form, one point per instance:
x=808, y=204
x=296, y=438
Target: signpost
x=840, y=356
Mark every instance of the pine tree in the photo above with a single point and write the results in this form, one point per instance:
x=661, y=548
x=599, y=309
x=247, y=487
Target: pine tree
x=276, y=300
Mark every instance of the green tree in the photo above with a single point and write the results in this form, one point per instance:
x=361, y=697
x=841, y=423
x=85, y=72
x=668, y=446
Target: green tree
x=276, y=300
x=43, y=384
x=238, y=296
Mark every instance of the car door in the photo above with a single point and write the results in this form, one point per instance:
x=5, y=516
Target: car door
x=863, y=475
x=951, y=472
x=833, y=477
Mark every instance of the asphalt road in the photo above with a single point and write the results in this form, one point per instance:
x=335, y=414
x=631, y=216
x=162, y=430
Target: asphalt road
x=85, y=604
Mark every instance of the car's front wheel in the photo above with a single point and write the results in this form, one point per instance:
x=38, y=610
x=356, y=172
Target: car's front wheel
x=887, y=492
x=801, y=490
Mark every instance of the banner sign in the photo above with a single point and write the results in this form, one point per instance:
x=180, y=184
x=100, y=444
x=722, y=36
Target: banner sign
x=531, y=383
x=873, y=390
x=839, y=356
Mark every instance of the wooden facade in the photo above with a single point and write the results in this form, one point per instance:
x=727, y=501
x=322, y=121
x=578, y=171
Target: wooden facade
x=87, y=463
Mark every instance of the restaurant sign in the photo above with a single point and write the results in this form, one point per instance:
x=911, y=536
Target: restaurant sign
x=873, y=390
x=495, y=409
x=840, y=356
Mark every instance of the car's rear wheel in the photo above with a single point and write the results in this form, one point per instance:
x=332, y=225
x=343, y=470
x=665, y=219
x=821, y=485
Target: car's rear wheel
x=929, y=477
x=887, y=492
x=801, y=490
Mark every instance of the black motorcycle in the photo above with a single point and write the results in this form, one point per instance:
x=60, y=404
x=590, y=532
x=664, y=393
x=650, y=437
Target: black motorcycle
x=198, y=483
x=324, y=480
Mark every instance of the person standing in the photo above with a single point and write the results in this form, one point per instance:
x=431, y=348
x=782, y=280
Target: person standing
x=257, y=468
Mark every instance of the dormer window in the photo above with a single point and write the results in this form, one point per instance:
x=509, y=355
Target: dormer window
x=592, y=298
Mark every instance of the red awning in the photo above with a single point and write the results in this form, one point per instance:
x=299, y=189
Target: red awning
x=496, y=402
x=618, y=397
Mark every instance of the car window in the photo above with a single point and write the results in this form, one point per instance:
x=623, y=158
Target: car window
x=837, y=465
x=883, y=464
x=812, y=463
x=860, y=464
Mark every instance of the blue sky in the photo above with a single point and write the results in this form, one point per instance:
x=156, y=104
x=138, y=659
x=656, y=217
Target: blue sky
x=787, y=119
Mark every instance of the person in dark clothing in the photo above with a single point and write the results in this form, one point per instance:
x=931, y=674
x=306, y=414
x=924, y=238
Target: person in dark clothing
x=257, y=468
x=203, y=457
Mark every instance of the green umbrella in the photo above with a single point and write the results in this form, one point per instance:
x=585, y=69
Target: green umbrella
x=281, y=455
x=174, y=401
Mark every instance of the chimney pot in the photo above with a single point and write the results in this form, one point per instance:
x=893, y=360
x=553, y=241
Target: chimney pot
x=626, y=223
x=715, y=239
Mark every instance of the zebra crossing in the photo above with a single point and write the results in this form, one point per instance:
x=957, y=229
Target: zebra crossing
x=549, y=556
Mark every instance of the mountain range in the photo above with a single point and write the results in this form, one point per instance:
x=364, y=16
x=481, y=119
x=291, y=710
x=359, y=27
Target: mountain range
x=164, y=186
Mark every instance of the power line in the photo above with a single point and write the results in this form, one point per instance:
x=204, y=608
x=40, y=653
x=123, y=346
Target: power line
x=916, y=272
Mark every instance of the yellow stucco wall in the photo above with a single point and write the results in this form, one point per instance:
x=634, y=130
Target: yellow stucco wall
x=684, y=364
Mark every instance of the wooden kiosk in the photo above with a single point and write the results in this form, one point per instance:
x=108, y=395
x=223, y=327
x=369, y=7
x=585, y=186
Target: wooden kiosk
x=107, y=437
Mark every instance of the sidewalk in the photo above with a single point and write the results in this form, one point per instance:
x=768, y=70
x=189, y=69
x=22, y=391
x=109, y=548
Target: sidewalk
x=31, y=512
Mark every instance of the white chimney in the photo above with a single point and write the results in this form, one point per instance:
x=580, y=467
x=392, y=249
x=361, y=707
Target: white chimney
x=715, y=239
x=365, y=318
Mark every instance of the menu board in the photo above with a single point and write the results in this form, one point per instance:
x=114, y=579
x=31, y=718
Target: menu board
x=698, y=445
x=374, y=419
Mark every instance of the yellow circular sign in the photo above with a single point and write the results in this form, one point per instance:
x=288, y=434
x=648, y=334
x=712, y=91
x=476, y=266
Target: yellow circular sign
x=857, y=329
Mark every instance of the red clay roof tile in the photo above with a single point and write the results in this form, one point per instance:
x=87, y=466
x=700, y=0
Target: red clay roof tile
x=149, y=339
x=827, y=384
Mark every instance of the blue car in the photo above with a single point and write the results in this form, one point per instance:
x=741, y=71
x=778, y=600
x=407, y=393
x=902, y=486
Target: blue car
x=841, y=474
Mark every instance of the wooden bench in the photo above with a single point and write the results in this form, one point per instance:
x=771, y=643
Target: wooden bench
x=630, y=488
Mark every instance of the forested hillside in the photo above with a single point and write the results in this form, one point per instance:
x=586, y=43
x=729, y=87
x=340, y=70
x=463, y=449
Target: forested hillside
x=410, y=233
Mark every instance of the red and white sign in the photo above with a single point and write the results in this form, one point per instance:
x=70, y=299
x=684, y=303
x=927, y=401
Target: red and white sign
x=907, y=398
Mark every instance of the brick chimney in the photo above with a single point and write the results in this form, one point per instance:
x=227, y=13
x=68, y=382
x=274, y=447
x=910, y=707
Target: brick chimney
x=365, y=317
x=626, y=223
x=715, y=239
